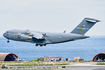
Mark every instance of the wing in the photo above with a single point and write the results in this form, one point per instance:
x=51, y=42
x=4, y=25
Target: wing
x=36, y=35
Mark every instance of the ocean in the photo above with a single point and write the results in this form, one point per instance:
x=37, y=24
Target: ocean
x=86, y=49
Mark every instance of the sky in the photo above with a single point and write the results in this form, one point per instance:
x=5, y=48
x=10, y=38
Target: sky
x=51, y=15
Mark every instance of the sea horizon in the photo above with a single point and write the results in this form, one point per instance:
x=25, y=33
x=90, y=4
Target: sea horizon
x=85, y=49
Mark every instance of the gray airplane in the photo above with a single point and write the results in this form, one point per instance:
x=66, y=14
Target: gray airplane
x=43, y=38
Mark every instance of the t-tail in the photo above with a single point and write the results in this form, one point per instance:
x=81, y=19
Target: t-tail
x=85, y=25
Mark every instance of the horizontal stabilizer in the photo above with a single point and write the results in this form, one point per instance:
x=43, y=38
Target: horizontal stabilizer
x=92, y=20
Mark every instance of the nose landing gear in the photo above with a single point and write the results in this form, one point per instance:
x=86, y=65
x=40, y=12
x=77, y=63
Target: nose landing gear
x=8, y=41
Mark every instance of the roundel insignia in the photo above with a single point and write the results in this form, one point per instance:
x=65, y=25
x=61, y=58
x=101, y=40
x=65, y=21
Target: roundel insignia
x=83, y=25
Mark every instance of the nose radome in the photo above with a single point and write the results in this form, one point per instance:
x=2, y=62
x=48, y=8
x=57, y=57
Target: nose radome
x=4, y=34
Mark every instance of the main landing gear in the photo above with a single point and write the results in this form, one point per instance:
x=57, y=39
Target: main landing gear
x=41, y=45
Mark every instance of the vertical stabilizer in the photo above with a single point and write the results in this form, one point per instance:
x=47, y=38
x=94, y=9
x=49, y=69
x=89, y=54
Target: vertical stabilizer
x=85, y=25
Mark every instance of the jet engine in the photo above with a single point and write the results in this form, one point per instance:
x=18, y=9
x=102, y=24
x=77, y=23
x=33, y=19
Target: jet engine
x=25, y=37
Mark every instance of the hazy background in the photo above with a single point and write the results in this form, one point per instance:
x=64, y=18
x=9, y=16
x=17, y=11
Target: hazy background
x=50, y=15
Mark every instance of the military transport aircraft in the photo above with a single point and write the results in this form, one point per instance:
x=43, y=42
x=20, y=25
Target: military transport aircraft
x=43, y=38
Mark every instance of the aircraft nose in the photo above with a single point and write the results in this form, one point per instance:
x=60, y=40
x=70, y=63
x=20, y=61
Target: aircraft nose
x=4, y=34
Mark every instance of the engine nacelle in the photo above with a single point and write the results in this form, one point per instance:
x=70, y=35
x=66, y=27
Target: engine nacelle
x=26, y=37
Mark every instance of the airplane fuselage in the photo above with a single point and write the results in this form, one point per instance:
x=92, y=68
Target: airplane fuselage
x=50, y=38
x=43, y=38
